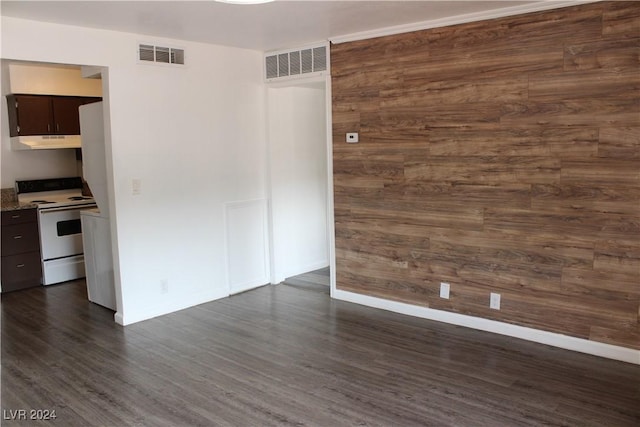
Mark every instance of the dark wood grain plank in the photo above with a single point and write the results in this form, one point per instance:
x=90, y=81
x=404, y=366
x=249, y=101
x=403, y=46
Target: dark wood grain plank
x=623, y=143
x=610, y=111
x=489, y=169
x=620, y=255
x=508, y=89
x=616, y=54
x=613, y=83
x=621, y=19
x=514, y=141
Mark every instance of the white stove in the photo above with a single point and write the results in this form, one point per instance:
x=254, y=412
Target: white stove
x=59, y=202
x=56, y=199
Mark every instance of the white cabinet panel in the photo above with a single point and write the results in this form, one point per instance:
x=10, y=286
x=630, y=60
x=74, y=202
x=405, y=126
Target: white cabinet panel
x=98, y=260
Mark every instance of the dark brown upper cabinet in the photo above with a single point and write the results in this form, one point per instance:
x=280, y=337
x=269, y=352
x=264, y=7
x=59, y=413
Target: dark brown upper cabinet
x=45, y=114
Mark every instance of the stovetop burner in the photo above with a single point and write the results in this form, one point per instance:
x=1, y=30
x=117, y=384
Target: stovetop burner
x=53, y=193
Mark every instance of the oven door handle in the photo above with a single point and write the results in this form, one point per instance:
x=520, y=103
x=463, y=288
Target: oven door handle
x=67, y=208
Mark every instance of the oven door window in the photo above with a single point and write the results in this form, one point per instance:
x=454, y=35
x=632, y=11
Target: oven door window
x=68, y=228
x=60, y=233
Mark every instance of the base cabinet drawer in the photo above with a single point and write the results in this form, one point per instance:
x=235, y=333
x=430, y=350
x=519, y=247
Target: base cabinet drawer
x=20, y=250
x=21, y=271
x=19, y=216
x=20, y=238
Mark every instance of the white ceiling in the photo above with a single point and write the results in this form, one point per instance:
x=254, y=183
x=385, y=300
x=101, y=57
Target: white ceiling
x=270, y=26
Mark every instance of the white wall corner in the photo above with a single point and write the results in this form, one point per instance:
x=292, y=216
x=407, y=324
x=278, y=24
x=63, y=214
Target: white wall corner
x=119, y=318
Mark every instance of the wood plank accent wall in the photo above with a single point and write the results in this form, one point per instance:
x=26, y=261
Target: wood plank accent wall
x=498, y=156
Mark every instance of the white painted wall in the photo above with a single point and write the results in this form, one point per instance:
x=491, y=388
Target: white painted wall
x=247, y=244
x=20, y=165
x=298, y=177
x=195, y=138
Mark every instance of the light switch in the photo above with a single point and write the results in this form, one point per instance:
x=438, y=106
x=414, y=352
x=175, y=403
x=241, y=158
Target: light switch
x=136, y=186
x=352, y=137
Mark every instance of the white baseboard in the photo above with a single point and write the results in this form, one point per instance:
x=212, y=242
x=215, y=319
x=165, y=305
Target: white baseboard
x=119, y=318
x=167, y=307
x=239, y=288
x=543, y=337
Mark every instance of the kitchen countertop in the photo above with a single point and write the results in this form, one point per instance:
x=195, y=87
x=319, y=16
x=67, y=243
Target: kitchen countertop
x=14, y=206
x=10, y=201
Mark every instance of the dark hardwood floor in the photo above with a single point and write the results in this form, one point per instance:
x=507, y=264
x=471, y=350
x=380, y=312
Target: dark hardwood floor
x=318, y=281
x=285, y=355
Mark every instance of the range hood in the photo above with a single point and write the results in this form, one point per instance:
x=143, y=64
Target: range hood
x=45, y=142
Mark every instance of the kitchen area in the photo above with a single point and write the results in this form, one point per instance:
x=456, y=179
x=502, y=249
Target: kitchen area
x=195, y=212
x=55, y=223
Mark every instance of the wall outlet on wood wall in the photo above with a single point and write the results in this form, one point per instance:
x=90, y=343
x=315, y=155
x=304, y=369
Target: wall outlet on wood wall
x=494, y=301
x=444, y=290
x=352, y=137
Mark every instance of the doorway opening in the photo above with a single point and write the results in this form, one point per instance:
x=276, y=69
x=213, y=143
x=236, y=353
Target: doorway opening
x=299, y=183
x=74, y=82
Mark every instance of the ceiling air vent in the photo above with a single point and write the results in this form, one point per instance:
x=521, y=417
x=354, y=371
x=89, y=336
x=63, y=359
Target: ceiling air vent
x=159, y=54
x=307, y=60
x=320, y=58
x=283, y=64
x=295, y=63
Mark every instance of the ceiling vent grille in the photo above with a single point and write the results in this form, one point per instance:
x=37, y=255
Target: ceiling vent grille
x=295, y=63
x=159, y=54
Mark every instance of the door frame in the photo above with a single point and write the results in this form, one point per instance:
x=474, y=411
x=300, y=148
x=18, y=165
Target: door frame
x=323, y=82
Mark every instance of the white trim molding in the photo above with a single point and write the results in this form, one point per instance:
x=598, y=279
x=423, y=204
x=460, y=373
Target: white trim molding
x=168, y=307
x=538, y=6
x=543, y=337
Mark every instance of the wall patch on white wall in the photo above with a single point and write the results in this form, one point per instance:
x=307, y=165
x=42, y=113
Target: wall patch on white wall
x=247, y=244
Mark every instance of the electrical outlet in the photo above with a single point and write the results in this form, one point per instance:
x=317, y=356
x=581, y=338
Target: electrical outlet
x=352, y=137
x=164, y=286
x=444, y=290
x=494, y=301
